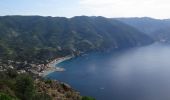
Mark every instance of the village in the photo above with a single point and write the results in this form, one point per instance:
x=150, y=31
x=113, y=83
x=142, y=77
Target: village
x=39, y=70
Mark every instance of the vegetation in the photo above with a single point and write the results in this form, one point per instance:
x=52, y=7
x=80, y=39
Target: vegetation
x=156, y=28
x=36, y=38
x=16, y=87
x=4, y=96
x=24, y=87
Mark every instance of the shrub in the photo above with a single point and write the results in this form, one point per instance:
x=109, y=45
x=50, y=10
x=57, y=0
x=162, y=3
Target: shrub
x=25, y=87
x=5, y=97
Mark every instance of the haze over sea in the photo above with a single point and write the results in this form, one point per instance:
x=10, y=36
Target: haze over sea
x=141, y=73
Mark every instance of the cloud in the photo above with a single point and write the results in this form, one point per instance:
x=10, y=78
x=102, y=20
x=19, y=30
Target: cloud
x=127, y=8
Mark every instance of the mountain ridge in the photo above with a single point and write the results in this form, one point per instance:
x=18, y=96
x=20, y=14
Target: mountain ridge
x=158, y=29
x=49, y=36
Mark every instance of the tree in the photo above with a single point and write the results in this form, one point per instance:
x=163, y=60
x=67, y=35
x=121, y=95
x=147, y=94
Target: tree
x=25, y=87
x=5, y=97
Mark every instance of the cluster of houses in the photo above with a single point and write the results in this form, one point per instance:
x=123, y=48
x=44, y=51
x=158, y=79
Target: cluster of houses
x=4, y=67
x=38, y=69
x=23, y=67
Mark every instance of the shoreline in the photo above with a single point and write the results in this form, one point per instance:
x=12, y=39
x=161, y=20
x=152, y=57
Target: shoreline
x=52, y=66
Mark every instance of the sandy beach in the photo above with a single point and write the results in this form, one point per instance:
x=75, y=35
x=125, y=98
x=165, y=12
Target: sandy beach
x=52, y=66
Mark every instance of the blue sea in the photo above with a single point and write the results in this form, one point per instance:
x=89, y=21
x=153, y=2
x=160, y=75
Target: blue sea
x=141, y=73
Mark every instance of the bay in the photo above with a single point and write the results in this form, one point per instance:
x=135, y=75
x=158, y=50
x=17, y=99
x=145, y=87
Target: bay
x=141, y=73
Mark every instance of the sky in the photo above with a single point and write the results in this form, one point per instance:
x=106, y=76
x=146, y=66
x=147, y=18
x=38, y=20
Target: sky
x=68, y=8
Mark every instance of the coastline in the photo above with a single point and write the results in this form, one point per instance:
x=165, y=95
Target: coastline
x=52, y=66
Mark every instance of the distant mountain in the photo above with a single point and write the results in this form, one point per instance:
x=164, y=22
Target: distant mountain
x=156, y=28
x=146, y=24
x=34, y=38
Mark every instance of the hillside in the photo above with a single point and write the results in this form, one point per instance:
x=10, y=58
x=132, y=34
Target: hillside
x=156, y=28
x=14, y=86
x=145, y=24
x=29, y=43
x=36, y=38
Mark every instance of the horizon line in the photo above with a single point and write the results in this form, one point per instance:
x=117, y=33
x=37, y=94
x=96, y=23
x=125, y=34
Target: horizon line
x=86, y=16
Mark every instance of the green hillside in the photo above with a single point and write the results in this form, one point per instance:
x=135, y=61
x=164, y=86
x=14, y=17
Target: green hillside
x=36, y=38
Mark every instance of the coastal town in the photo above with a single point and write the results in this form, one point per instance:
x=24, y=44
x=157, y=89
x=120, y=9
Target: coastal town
x=39, y=70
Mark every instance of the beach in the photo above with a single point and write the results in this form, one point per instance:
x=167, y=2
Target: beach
x=52, y=66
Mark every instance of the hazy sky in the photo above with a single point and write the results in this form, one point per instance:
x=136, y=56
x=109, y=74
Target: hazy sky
x=69, y=8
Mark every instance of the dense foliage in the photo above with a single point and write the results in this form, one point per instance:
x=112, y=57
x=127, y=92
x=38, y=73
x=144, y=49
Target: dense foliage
x=6, y=97
x=24, y=87
x=18, y=87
